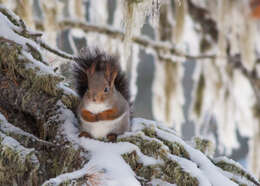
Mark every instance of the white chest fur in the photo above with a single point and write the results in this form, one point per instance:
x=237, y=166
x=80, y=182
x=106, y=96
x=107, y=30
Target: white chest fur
x=96, y=108
x=101, y=128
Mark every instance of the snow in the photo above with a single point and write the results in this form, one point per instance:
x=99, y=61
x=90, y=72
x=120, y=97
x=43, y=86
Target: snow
x=206, y=166
x=158, y=182
x=9, y=7
x=190, y=40
x=105, y=156
x=10, y=143
x=88, y=169
x=230, y=161
x=66, y=89
x=7, y=32
x=35, y=64
x=141, y=134
x=191, y=168
x=215, y=177
x=240, y=179
x=98, y=12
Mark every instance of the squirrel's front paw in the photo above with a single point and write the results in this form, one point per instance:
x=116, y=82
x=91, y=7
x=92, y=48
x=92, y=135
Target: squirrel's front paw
x=85, y=134
x=88, y=116
x=110, y=114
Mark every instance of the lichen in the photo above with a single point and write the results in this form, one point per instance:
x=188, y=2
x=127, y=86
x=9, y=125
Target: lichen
x=232, y=168
x=204, y=145
x=18, y=164
x=177, y=175
x=169, y=171
x=150, y=148
x=175, y=147
x=70, y=101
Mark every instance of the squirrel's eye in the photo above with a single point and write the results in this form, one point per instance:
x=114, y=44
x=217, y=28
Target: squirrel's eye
x=106, y=89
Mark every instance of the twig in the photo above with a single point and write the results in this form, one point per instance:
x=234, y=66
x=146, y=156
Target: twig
x=57, y=52
x=140, y=40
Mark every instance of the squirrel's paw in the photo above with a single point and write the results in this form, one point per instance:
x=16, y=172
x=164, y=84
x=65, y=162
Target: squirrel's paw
x=88, y=116
x=85, y=134
x=112, y=137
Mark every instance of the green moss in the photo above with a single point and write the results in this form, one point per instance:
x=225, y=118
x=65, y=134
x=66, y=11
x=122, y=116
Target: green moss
x=177, y=175
x=169, y=171
x=132, y=159
x=47, y=83
x=175, y=147
x=235, y=170
x=150, y=132
x=204, y=145
x=17, y=162
x=147, y=172
x=70, y=101
x=150, y=148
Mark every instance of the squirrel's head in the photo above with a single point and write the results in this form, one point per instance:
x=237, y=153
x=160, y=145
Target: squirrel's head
x=98, y=75
x=100, y=84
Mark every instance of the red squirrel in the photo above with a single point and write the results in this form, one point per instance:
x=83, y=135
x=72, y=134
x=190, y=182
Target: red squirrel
x=104, y=109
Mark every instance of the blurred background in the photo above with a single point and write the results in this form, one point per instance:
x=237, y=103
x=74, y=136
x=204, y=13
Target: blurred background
x=192, y=64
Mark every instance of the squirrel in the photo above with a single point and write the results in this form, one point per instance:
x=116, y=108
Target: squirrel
x=104, y=108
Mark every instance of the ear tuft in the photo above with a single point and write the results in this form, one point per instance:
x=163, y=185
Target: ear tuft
x=112, y=79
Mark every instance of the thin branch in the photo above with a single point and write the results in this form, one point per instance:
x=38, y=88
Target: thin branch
x=140, y=40
x=55, y=51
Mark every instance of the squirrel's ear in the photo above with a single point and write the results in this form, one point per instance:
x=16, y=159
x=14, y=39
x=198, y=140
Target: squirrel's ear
x=91, y=70
x=110, y=75
x=108, y=71
x=113, y=77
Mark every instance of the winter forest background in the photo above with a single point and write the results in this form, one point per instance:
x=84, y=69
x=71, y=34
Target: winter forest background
x=192, y=64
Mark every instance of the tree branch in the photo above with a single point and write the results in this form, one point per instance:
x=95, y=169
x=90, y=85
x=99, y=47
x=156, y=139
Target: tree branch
x=55, y=51
x=143, y=41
